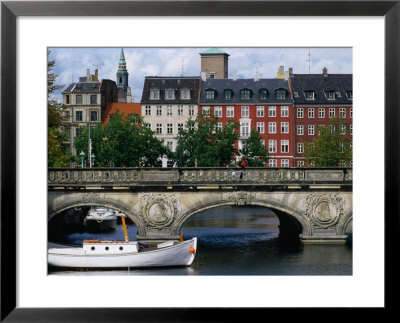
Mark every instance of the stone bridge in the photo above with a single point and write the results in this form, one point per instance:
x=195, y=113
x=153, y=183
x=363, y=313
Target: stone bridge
x=313, y=203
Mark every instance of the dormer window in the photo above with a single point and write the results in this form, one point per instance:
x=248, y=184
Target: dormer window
x=228, y=94
x=185, y=94
x=169, y=94
x=154, y=94
x=245, y=94
x=263, y=93
x=330, y=95
x=349, y=95
x=309, y=95
x=210, y=94
x=280, y=94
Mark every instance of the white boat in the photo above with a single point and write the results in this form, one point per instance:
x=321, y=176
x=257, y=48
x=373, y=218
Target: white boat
x=101, y=219
x=122, y=254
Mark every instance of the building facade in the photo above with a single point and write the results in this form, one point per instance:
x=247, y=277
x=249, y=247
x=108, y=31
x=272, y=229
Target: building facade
x=168, y=103
x=262, y=104
x=318, y=98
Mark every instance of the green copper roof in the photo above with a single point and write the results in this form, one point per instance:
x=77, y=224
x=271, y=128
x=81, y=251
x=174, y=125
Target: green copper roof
x=122, y=58
x=214, y=50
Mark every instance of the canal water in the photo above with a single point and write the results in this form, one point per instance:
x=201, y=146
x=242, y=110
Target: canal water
x=235, y=241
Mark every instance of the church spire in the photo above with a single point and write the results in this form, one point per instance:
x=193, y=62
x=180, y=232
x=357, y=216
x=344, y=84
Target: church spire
x=122, y=80
x=122, y=62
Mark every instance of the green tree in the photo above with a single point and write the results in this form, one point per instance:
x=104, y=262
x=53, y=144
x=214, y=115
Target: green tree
x=123, y=142
x=332, y=148
x=254, y=150
x=58, y=154
x=203, y=141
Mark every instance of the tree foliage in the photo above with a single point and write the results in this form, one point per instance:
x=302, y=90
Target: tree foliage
x=203, y=141
x=254, y=150
x=58, y=154
x=123, y=142
x=332, y=148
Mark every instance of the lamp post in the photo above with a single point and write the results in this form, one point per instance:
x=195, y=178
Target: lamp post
x=82, y=155
x=93, y=157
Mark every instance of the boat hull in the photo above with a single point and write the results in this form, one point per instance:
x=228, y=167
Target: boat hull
x=177, y=255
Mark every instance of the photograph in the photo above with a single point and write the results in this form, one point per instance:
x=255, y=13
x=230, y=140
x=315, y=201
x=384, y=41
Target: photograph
x=213, y=161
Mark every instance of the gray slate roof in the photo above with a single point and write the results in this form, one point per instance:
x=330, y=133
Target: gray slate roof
x=236, y=85
x=83, y=87
x=172, y=82
x=318, y=83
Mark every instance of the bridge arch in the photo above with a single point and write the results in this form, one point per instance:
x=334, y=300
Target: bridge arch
x=288, y=217
x=72, y=200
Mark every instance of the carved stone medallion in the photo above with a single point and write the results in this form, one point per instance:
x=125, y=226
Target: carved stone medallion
x=324, y=209
x=240, y=198
x=158, y=209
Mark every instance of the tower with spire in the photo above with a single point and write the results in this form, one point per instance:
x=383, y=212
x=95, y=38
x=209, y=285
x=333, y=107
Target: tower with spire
x=124, y=91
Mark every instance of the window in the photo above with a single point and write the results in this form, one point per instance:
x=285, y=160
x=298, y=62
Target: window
x=230, y=112
x=311, y=130
x=93, y=99
x=67, y=114
x=245, y=129
x=93, y=116
x=260, y=111
x=284, y=127
x=245, y=94
x=351, y=112
x=331, y=112
x=342, y=112
x=300, y=113
x=284, y=111
x=191, y=110
x=78, y=131
x=272, y=111
x=169, y=110
x=148, y=125
x=285, y=163
x=79, y=99
x=206, y=111
x=300, y=163
x=180, y=127
x=300, y=130
x=169, y=128
x=260, y=127
x=349, y=95
x=245, y=111
x=170, y=144
x=159, y=128
x=321, y=113
x=343, y=129
x=159, y=110
x=281, y=94
x=330, y=95
x=147, y=110
x=284, y=146
x=78, y=116
x=228, y=94
x=154, y=94
x=169, y=94
x=210, y=94
x=351, y=129
x=218, y=112
x=271, y=127
x=185, y=94
x=67, y=99
x=263, y=94
x=300, y=148
x=272, y=146
x=272, y=163
x=311, y=113
x=219, y=126
x=309, y=95
x=180, y=110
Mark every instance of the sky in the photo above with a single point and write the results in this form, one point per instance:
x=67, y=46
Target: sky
x=72, y=63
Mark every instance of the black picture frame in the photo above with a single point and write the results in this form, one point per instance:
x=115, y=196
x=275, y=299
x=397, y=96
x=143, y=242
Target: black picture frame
x=10, y=10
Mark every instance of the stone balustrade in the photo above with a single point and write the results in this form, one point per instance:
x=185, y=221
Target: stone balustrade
x=131, y=177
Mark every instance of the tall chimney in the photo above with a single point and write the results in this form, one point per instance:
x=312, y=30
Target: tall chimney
x=88, y=75
x=325, y=71
x=256, y=77
x=234, y=76
x=96, y=75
